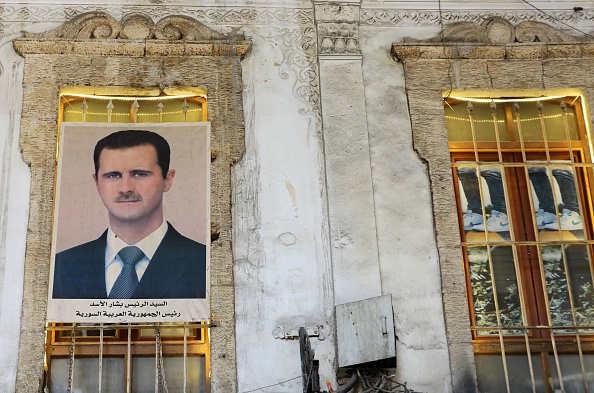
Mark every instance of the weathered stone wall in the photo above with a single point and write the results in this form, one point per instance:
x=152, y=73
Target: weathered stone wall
x=295, y=233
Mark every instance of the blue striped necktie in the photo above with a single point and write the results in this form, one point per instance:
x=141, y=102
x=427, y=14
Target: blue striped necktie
x=126, y=283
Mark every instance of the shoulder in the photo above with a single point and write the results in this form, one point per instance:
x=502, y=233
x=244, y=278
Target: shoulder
x=82, y=249
x=174, y=237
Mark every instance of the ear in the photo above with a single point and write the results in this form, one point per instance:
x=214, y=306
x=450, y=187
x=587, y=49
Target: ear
x=96, y=183
x=169, y=179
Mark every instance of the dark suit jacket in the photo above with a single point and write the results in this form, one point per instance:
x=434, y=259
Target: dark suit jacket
x=177, y=270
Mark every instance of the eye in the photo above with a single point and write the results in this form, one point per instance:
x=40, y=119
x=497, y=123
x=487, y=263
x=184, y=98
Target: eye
x=140, y=174
x=113, y=175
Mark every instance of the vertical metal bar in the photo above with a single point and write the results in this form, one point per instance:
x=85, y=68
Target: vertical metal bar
x=156, y=360
x=135, y=107
x=185, y=356
x=470, y=109
x=84, y=110
x=109, y=110
x=566, y=264
x=539, y=106
x=498, y=316
x=100, y=357
x=160, y=107
x=495, y=125
x=72, y=349
x=516, y=109
x=185, y=107
x=129, y=361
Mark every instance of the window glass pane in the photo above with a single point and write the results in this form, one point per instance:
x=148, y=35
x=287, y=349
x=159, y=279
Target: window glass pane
x=553, y=122
x=556, y=205
x=144, y=374
x=458, y=122
x=491, y=378
x=86, y=375
x=483, y=209
x=96, y=111
x=483, y=281
x=555, y=257
x=172, y=111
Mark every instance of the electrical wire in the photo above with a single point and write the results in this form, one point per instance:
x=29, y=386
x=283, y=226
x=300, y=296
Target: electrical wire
x=557, y=19
x=448, y=59
x=274, y=384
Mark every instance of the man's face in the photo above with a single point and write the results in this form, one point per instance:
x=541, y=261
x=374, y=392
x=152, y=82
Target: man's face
x=131, y=185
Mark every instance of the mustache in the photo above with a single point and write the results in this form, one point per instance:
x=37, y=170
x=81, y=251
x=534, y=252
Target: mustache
x=128, y=197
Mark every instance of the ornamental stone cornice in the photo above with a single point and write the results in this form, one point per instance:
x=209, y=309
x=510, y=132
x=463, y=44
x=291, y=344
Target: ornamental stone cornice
x=98, y=33
x=496, y=38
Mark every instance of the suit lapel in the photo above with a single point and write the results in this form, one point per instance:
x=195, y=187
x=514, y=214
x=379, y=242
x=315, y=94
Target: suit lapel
x=162, y=272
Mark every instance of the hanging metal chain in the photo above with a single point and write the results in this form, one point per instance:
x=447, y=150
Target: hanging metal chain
x=160, y=368
x=71, y=359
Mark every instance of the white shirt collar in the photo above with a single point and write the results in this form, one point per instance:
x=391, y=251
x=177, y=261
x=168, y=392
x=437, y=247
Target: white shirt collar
x=148, y=245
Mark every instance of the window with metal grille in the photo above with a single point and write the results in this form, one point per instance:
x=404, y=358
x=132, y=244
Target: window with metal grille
x=130, y=357
x=522, y=169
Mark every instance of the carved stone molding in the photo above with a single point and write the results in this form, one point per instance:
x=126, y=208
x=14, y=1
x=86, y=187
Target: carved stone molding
x=338, y=28
x=135, y=35
x=21, y=13
x=497, y=30
x=391, y=17
x=338, y=38
x=337, y=12
x=100, y=25
x=299, y=62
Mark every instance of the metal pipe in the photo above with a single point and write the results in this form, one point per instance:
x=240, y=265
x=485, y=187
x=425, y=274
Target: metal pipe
x=347, y=388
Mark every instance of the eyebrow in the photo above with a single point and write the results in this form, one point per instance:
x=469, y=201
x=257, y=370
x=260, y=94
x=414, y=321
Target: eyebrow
x=141, y=172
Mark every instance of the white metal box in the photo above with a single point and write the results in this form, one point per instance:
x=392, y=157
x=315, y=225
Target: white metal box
x=365, y=331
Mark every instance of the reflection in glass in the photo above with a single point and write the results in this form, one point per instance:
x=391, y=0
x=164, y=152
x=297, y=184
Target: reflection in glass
x=559, y=287
x=492, y=207
x=481, y=278
x=557, y=202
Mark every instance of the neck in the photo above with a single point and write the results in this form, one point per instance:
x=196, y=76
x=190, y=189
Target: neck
x=133, y=232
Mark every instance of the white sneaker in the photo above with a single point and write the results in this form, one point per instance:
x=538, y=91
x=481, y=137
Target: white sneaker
x=545, y=218
x=497, y=222
x=471, y=219
x=569, y=220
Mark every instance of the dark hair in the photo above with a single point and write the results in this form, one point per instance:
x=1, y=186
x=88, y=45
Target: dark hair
x=132, y=138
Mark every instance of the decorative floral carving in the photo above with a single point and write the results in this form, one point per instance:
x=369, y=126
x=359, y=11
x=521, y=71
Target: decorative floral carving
x=417, y=17
x=137, y=27
x=337, y=12
x=298, y=48
x=100, y=25
x=181, y=27
x=89, y=25
x=541, y=32
x=338, y=38
x=210, y=15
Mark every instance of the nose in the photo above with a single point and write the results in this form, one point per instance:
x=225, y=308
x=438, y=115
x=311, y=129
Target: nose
x=127, y=184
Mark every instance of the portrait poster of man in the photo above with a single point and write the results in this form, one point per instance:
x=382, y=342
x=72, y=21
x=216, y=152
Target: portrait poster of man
x=131, y=223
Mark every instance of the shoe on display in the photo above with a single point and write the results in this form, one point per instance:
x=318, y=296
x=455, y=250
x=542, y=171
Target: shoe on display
x=545, y=218
x=569, y=221
x=471, y=219
x=497, y=222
